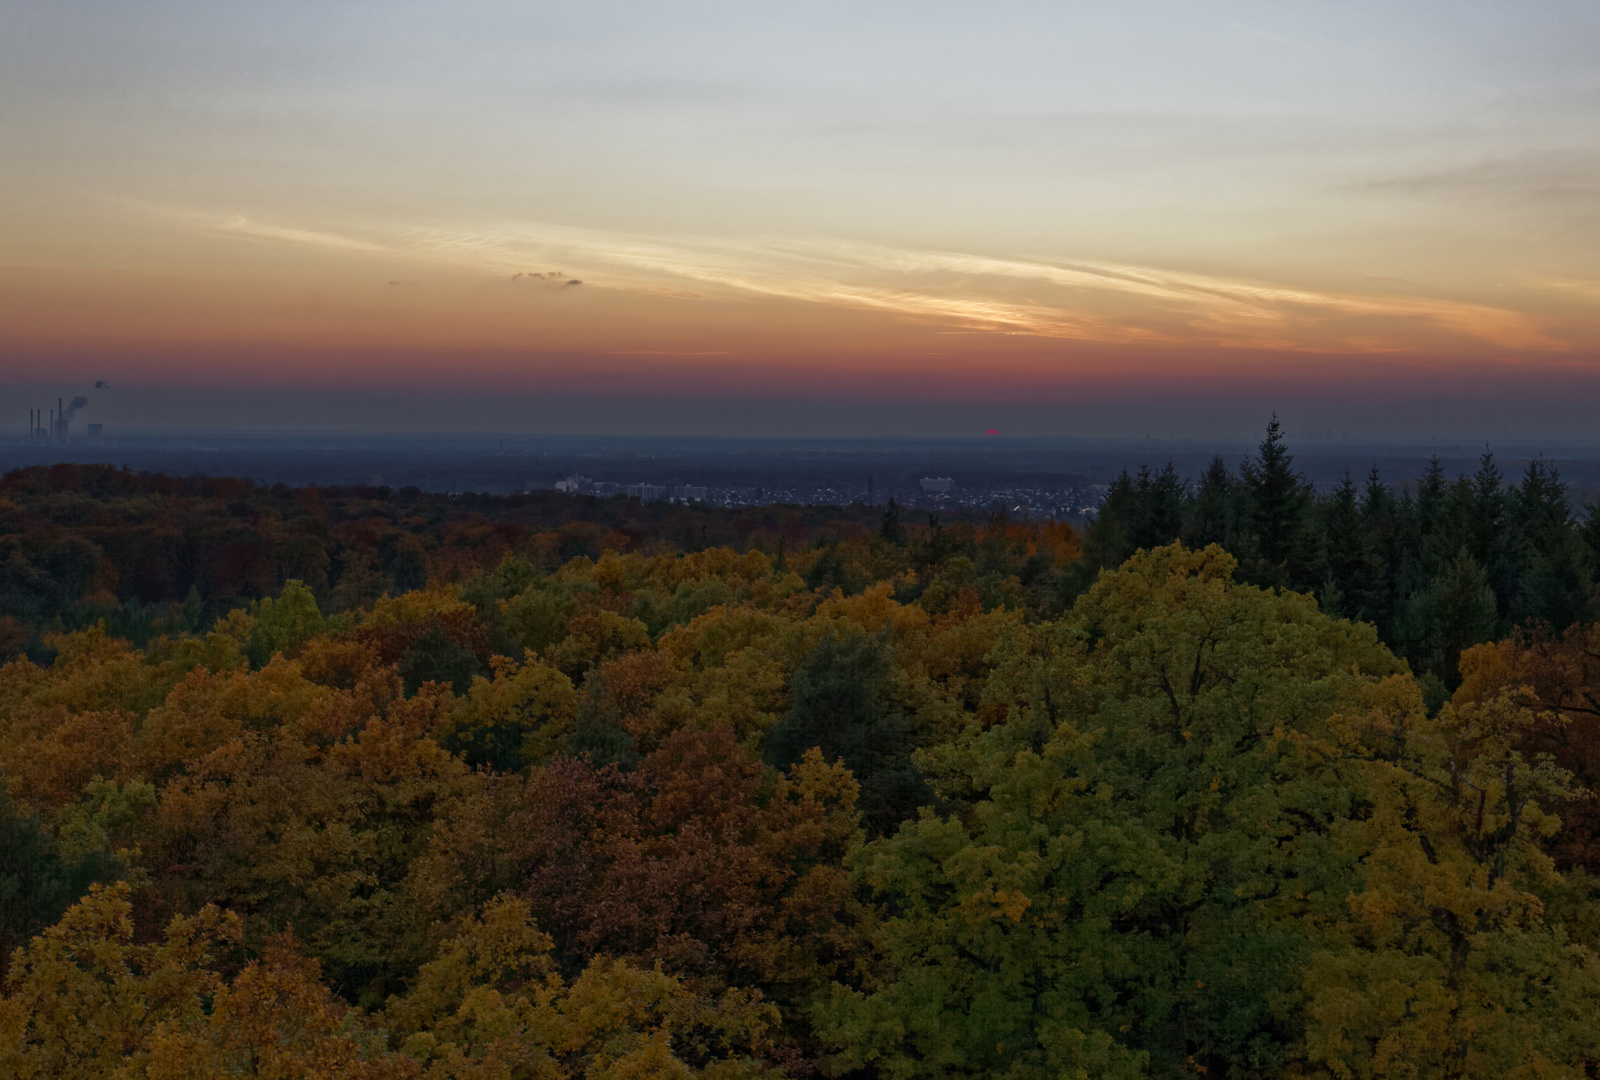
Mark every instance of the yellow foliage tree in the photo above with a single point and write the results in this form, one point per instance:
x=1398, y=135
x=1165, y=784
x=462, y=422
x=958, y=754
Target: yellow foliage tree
x=514, y=720
x=1445, y=964
x=492, y=1005
x=83, y=998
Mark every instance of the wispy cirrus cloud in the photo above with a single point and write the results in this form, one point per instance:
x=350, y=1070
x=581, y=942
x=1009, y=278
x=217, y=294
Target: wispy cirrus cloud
x=1055, y=298
x=1589, y=290
x=240, y=225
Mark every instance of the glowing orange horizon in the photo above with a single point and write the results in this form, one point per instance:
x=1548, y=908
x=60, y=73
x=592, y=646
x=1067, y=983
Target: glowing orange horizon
x=748, y=315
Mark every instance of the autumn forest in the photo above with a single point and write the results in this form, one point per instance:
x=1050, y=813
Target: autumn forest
x=1243, y=780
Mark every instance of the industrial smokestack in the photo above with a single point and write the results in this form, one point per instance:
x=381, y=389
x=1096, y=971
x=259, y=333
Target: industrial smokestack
x=64, y=415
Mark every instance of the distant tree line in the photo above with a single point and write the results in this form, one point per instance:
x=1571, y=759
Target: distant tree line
x=150, y=554
x=1436, y=567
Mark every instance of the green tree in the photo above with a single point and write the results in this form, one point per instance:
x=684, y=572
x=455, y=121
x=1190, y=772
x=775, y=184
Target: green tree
x=1455, y=610
x=517, y=719
x=284, y=624
x=36, y=883
x=842, y=699
x=437, y=655
x=1142, y=840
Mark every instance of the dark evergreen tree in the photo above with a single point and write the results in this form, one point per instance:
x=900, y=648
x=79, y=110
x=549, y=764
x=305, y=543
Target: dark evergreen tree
x=438, y=656
x=939, y=544
x=1415, y=561
x=842, y=700
x=1353, y=571
x=1214, y=514
x=1430, y=543
x=1488, y=507
x=829, y=571
x=1108, y=539
x=598, y=732
x=1384, y=523
x=1160, y=520
x=1490, y=538
x=1456, y=529
x=405, y=561
x=1431, y=490
x=36, y=884
x=1144, y=511
x=891, y=531
x=1555, y=577
x=1589, y=533
x=1455, y=610
x=1280, y=516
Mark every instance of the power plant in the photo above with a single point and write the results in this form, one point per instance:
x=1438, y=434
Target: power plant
x=58, y=429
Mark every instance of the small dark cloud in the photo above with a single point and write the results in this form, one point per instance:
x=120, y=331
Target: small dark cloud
x=101, y=384
x=574, y=281
x=1552, y=176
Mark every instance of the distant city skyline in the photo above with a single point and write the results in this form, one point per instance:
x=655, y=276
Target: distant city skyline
x=709, y=217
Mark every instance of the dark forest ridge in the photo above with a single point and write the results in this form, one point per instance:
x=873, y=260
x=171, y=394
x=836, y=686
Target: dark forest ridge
x=501, y=464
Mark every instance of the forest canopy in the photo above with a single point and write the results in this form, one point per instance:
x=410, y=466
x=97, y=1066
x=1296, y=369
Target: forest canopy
x=1244, y=781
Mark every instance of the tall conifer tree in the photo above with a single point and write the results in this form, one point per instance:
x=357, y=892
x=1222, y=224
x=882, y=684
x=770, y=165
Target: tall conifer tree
x=1280, y=504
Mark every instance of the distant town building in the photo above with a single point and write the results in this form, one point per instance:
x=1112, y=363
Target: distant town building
x=689, y=493
x=574, y=484
x=648, y=492
x=937, y=485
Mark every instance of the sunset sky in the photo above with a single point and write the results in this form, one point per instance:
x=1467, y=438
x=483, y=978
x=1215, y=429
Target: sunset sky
x=933, y=218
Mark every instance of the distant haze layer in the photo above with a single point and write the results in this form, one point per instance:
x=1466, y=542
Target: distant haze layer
x=924, y=218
